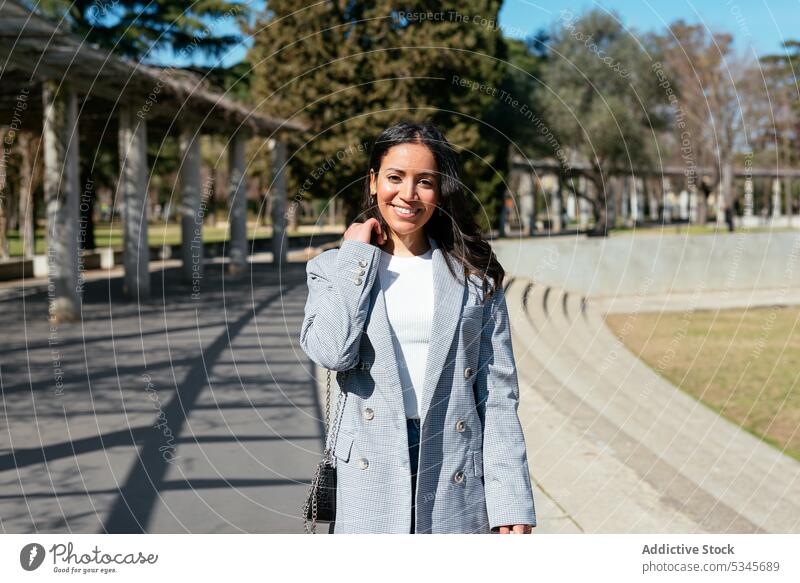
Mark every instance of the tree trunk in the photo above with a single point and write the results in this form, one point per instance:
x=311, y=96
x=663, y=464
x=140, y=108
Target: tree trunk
x=727, y=194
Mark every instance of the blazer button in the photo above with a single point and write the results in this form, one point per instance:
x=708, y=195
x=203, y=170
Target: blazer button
x=362, y=263
x=467, y=372
x=458, y=477
x=368, y=414
x=460, y=426
x=363, y=463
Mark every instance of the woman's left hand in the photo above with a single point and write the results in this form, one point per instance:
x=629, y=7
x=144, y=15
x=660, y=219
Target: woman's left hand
x=514, y=529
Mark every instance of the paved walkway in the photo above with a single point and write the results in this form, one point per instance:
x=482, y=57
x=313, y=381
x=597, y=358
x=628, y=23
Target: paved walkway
x=615, y=448
x=203, y=415
x=179, y=415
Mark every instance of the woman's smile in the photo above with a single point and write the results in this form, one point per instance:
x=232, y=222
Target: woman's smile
x=406, y=212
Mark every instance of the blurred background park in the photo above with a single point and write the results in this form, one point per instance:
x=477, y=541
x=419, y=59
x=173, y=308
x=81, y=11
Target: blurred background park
x=168, y=167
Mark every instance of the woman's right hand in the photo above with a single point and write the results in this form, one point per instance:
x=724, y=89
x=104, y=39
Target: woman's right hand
x=363, y=232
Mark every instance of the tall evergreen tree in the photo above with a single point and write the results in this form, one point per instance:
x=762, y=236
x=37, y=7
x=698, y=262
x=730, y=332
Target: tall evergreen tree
x=351, y=68
x=135, y=27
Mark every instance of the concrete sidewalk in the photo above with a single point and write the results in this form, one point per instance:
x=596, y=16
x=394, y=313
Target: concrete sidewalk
x=177, y=415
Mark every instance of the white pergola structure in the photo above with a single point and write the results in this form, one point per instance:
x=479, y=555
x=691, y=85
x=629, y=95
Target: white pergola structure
x=63, y=81
x=655, y=195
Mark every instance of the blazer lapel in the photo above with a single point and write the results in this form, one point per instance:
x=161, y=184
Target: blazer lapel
x=448, y=301
x=379, y=331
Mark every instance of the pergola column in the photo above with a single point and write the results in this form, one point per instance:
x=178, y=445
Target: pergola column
x=667, y=200
x=572, y=203
x=278, y=191
x=62, y=196
x=726, y=196
x=613, y=198
x=633, y=196
x=623, y=210
x=748, y=196
x=650, y=194
x=584, y=205
x=26, y=210
x=555, y=207
x=133, y=178
x=776, y=198
x=192, y=212
x=237, y=201
x=527, y=200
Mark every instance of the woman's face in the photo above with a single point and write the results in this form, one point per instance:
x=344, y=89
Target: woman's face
x=407, y=187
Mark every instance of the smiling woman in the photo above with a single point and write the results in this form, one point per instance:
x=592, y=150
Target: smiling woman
x=406, y=191
x=410, y=312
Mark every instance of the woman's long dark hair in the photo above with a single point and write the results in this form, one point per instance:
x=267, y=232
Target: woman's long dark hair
x=452, y=225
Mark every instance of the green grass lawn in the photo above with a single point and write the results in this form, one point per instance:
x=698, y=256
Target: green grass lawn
x=744, y=364
x=158, y=234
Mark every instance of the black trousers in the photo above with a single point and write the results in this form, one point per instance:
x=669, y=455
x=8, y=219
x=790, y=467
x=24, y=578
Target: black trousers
x=413, y=454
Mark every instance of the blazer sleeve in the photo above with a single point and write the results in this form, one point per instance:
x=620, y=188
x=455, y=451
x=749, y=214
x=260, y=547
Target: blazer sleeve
x=509, y=496
x=339, y=285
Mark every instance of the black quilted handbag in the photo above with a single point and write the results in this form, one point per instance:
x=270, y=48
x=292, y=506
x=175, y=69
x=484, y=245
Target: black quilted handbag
x=320, y=505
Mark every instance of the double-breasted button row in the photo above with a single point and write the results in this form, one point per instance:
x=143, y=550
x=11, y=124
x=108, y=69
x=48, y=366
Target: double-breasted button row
x=368, y=414
x=467, y=372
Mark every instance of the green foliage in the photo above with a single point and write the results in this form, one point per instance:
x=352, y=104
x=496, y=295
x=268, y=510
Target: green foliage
x=352, y=68
x=601, y=98
x=133, y=27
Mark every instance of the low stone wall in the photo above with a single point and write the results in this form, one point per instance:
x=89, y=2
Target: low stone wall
x=106, y=258
x=649, y=264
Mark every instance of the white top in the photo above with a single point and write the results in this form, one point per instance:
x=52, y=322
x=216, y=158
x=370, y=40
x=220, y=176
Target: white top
x=407, y=284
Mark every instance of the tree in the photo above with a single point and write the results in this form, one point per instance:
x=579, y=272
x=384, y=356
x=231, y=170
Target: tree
x=778, y=134
x=706, y=75
x=600, y=101
x=352, y=68
x=134, y=28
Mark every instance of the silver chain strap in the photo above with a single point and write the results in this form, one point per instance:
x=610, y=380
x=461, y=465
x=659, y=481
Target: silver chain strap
x=327, y=456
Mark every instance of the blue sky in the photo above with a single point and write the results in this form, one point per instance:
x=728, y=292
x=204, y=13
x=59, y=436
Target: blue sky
x=758, y=25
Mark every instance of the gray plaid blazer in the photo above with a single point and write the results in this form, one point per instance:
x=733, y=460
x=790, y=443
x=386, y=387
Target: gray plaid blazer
x=473, y=469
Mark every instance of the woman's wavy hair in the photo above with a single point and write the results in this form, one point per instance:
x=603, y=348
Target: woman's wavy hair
x=452, y=225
